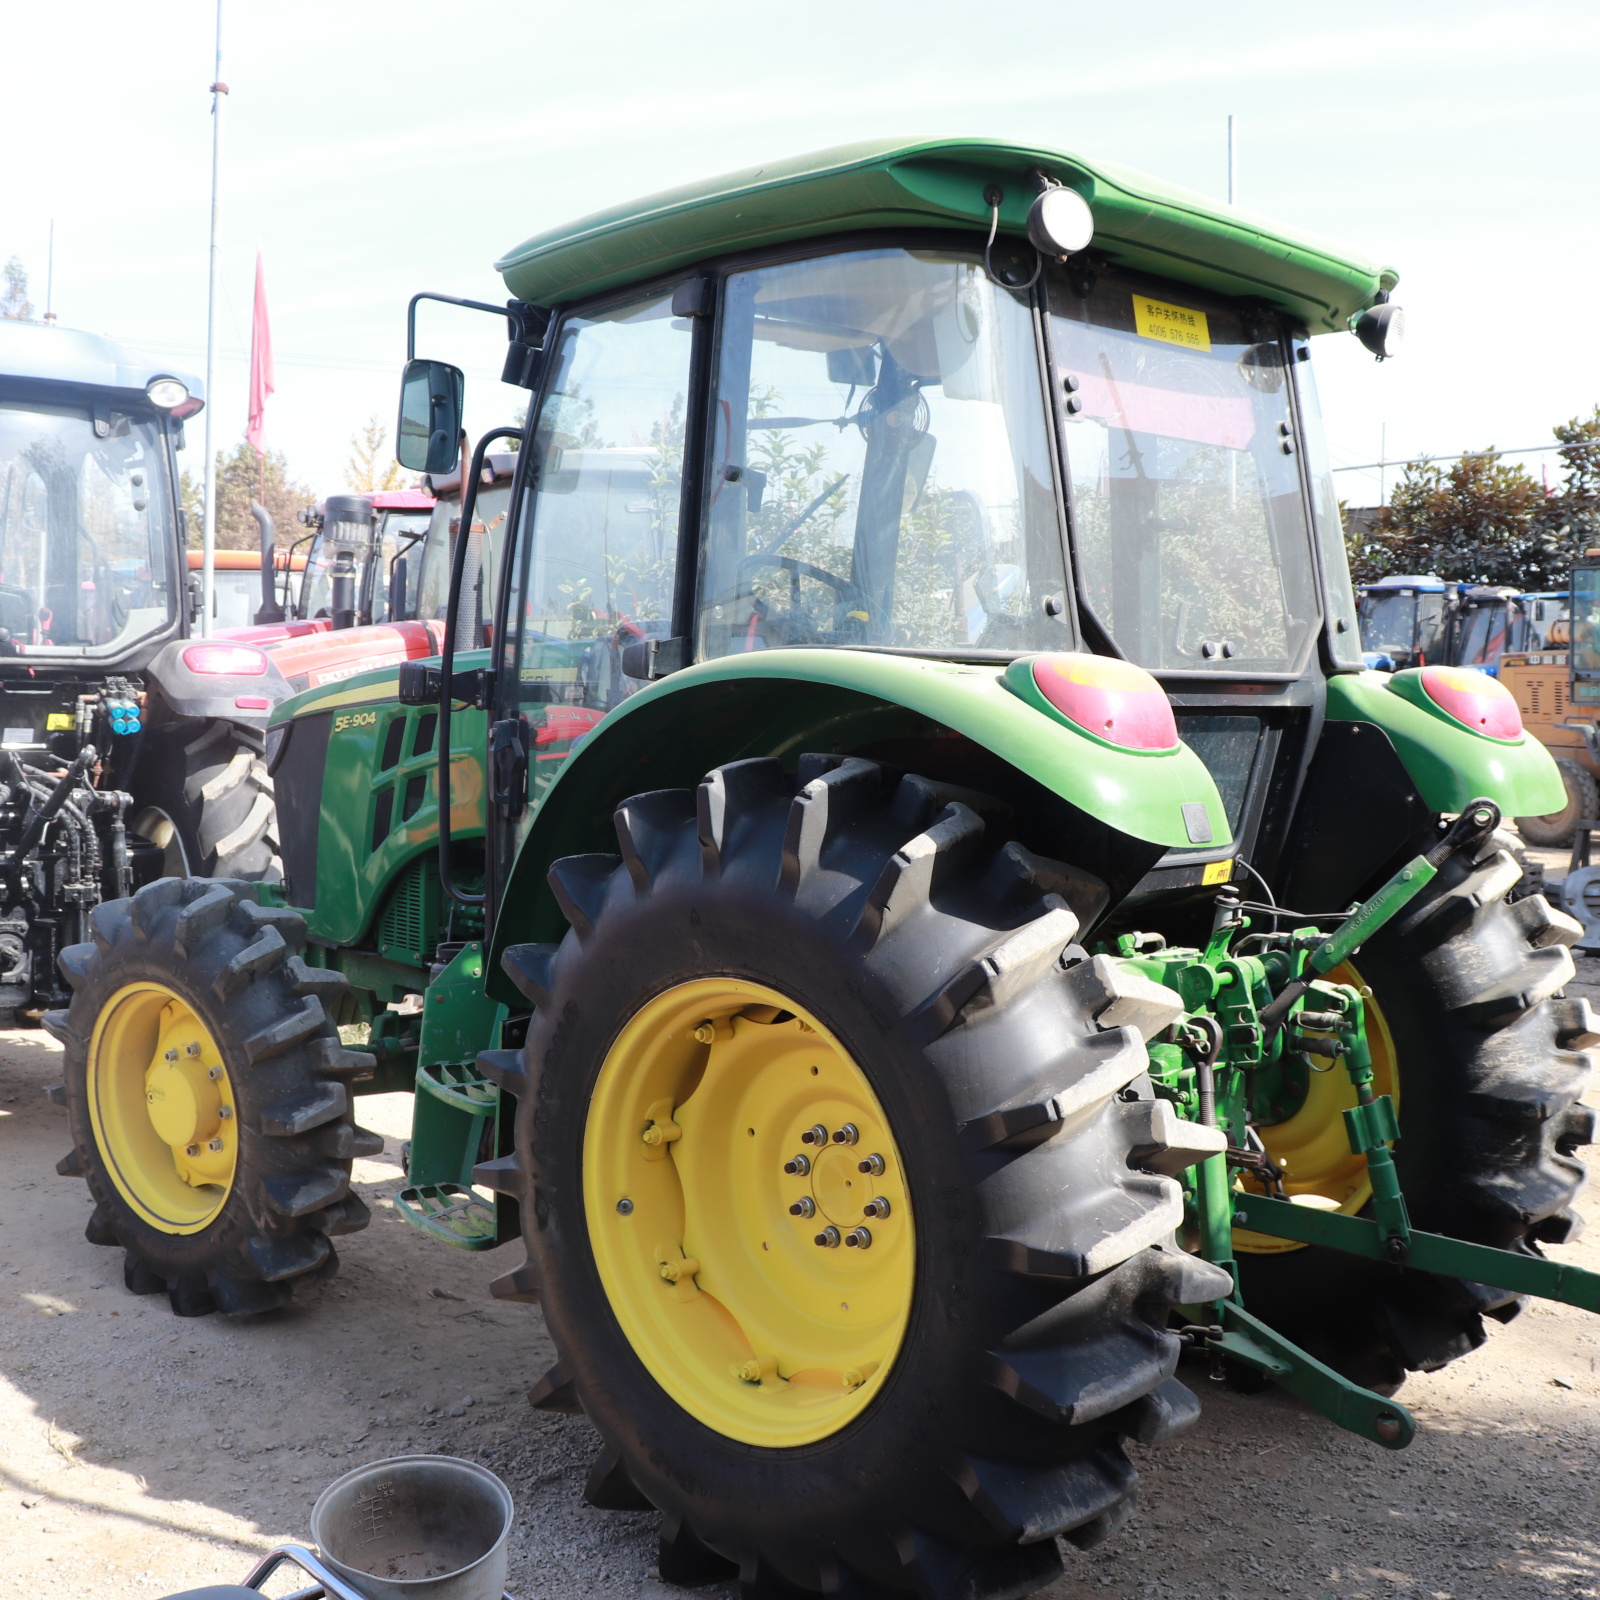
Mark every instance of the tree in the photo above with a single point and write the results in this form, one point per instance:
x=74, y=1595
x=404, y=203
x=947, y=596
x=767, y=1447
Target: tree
x=372, y=467
x=1476, y=521
x=15, y=305
x=238, y=483
x=1573, y=516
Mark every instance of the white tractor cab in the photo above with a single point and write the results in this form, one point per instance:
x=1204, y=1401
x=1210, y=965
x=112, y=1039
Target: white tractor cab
x=128, y=748
x=1405, y=621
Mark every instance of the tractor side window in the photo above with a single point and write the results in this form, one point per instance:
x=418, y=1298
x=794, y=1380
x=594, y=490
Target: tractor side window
x=879, y=469
x=599, y=542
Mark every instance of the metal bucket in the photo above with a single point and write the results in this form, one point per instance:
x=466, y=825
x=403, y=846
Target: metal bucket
x=417, y=1528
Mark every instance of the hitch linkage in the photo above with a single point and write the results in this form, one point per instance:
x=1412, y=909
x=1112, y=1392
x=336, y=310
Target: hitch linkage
x=1241, y=1018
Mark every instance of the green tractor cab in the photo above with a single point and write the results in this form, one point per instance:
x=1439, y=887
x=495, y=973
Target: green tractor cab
x=898, y=891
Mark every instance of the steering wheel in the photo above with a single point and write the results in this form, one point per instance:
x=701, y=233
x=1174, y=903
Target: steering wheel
x=850, y=596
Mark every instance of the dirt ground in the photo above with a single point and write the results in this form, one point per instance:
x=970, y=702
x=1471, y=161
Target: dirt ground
x=141, y=1454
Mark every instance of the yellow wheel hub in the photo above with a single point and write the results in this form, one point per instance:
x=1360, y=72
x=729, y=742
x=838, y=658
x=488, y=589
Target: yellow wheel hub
x=162, y=1108
x=1311, y=1148
x=748, y=1213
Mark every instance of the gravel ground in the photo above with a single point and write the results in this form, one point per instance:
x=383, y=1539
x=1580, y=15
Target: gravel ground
x=140, y=1454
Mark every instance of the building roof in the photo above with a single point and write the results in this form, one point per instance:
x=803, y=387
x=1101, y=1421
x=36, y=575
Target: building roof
x=1140, y=222
x=71, y=355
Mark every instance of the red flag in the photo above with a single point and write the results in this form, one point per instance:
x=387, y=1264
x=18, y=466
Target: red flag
x=261, y=382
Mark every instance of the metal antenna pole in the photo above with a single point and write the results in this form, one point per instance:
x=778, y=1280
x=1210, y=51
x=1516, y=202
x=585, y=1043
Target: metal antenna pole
x=1233, y=161
x=208, y=537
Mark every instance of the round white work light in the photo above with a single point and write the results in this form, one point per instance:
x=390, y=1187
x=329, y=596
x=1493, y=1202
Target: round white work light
x=1060, y=222
x=1382, y=329
x=166, y=393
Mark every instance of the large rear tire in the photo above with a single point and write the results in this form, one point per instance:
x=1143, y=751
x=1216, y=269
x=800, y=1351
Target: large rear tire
x=207, y=1091
x=858, y=951
x=1488, y=1063
x=205, y=799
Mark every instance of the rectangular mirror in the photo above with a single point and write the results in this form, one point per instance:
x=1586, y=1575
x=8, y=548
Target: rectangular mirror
x=428, y=436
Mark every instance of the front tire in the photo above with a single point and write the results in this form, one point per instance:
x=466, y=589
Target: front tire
x=207, y=1091
x=862, y=952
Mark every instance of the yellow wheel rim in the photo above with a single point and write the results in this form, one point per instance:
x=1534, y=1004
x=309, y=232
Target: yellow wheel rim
x=1312, y=1147
x=706, y=1245
x=162, y=1108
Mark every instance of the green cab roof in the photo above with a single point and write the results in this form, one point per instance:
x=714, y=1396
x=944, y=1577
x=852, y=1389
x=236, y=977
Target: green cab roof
x=1140, y=222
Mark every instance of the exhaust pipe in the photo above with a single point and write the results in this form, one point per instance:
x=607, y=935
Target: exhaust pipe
x=270, y=610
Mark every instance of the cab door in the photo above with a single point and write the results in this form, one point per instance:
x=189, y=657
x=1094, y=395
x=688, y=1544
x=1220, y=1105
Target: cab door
x=596, y=560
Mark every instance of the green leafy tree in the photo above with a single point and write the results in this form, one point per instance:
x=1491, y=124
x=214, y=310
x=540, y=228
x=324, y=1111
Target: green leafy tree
x=15, y=306
x=239, y=476
x=1572, y=516
x=1476, y=520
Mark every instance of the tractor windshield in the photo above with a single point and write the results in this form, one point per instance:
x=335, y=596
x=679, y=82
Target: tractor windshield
x=1188, y=520
x=87, y=543
x=880, y=472
x=1407, y=624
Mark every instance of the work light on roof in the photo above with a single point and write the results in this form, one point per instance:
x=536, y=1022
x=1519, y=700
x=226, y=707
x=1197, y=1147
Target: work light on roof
x=1382, y=329
x=1060, y=222
x=167, y=393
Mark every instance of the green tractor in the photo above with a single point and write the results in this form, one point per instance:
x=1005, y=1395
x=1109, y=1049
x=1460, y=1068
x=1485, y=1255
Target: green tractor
x=898, y=891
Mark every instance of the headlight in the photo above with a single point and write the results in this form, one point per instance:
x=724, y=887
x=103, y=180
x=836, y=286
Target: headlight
x=166, y=393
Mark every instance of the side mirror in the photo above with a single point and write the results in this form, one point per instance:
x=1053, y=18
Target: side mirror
x=427, y=438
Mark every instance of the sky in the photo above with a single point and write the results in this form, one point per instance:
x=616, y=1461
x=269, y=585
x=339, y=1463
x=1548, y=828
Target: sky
x=374, y=150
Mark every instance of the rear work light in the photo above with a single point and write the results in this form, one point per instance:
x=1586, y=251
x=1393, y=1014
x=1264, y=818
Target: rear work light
x=252, y=702
x=1483, y=703
x=225, y=660
x=1110, y=700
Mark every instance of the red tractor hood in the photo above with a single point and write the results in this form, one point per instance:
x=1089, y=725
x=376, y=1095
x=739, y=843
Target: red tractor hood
x=312, y=653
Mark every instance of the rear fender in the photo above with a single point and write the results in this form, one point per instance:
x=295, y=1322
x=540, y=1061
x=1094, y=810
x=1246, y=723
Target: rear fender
x=1120, y=809
x=1450, y=764
x=177, y=694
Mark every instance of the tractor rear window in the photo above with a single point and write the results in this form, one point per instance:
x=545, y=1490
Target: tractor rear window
x=879, y=472
x=1188, y=521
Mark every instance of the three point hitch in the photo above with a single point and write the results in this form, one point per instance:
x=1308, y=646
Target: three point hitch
x=1262, y=1013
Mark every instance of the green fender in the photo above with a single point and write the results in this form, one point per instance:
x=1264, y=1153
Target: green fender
x=782, y=702
x=1449, y=763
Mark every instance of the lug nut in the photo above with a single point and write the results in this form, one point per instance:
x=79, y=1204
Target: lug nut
x=224, y=1112
x=859, y=1239
x=848, y=1134
x=816, y=1134
x=872, y=1166
x=192, y=1150
x=214, y=1146
x=876, y=1207
x=171, y=1055
x=624, y=1207
x=797, y=1166
x=805, y=1206
x=828, y=1239
x=193, y=1047
x=213, y=1073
